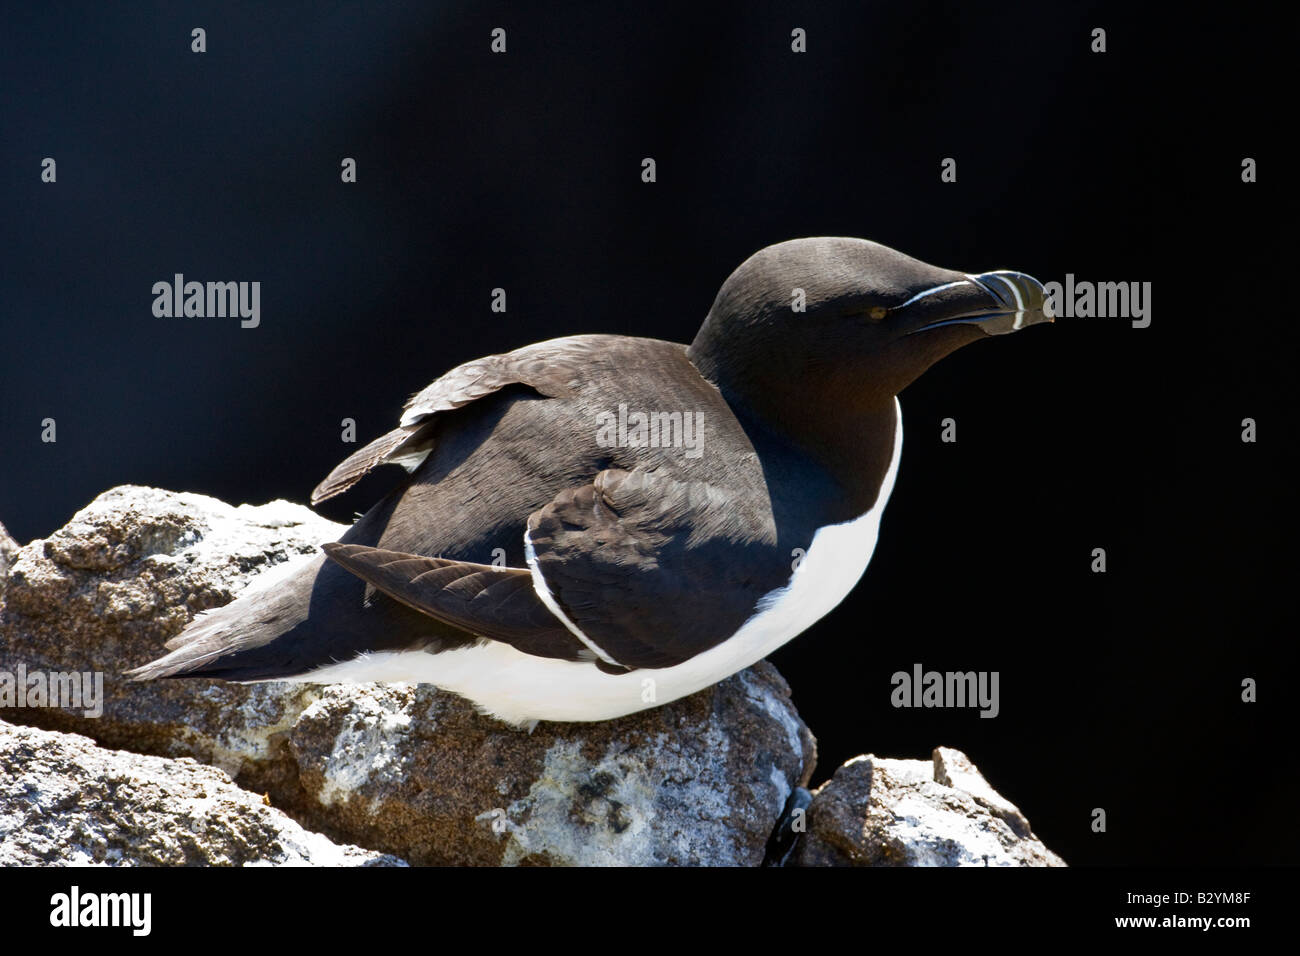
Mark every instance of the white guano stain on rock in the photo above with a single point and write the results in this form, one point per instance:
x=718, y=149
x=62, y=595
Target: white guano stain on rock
x=612, y=812
x=369, y=748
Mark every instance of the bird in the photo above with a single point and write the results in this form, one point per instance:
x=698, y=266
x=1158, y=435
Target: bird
x=595, y=525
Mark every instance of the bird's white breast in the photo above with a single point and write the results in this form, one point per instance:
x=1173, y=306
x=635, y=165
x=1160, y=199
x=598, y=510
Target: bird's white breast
x=523, y=689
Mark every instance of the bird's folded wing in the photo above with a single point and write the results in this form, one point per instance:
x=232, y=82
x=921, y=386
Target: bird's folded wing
x=651, y=570
x=547, y=368
x=497, y=603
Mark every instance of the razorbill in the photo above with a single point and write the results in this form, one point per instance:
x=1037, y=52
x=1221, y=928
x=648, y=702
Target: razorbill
x=599, y=524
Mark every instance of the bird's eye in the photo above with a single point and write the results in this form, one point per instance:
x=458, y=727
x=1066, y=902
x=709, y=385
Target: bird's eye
x=876, y=313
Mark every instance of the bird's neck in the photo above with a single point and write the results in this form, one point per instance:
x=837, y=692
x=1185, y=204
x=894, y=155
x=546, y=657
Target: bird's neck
x=844, y=426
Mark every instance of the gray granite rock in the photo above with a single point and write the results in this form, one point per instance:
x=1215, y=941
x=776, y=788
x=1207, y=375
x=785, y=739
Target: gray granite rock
x=876, y=811
x=8, y=554
x=126, y=574
x=66, y=801
x=412, y=771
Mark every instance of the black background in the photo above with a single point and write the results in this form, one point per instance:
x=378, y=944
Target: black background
x=1119, y=690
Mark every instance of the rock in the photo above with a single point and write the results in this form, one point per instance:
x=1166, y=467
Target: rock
x=126, y=574
x=952, y=768
x=880, y=812
x=8, y=554
x=407, y=770
x=63, y=800
x=418, y=773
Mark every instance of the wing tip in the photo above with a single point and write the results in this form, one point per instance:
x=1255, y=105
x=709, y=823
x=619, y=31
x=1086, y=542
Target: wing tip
x=344, y=476
x=156, y=670
x=360, y=463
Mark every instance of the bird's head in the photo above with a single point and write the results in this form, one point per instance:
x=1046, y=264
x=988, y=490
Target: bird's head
x=848, y=321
